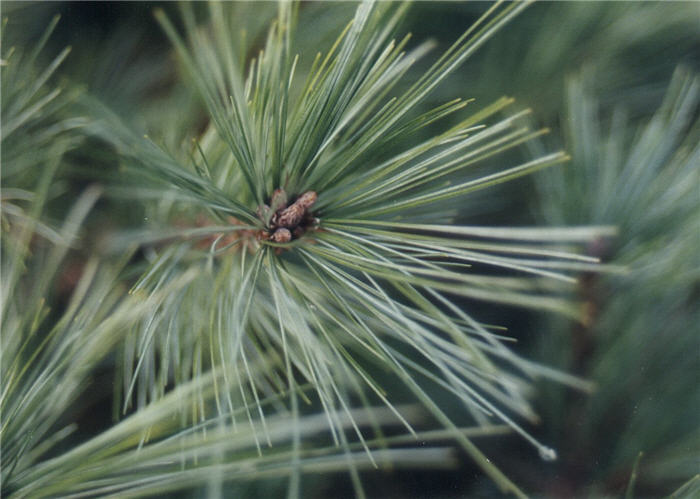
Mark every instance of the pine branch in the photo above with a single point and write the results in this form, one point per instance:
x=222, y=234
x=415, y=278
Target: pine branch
x=319, y=279
x=638, y=325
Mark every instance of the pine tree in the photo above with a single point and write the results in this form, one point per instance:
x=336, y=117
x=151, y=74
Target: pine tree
x=297, y=297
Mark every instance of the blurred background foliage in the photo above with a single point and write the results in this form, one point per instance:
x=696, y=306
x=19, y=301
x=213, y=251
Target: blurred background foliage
x=616, y=83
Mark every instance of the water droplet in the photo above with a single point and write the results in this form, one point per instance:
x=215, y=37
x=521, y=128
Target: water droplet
x=548, y=454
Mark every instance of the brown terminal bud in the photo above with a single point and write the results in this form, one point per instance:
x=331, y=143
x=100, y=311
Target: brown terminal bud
x=291, y=216
x=282, y=235
x=307, y=199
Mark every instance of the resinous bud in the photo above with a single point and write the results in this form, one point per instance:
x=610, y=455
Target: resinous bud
x=282, y=235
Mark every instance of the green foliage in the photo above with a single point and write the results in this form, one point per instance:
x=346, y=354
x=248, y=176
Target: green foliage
x=361, y=295
x=689, y=489
x=644, y=182
x=299, y=299
x=628, y=50
x=52, y=345
x=33, y=114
